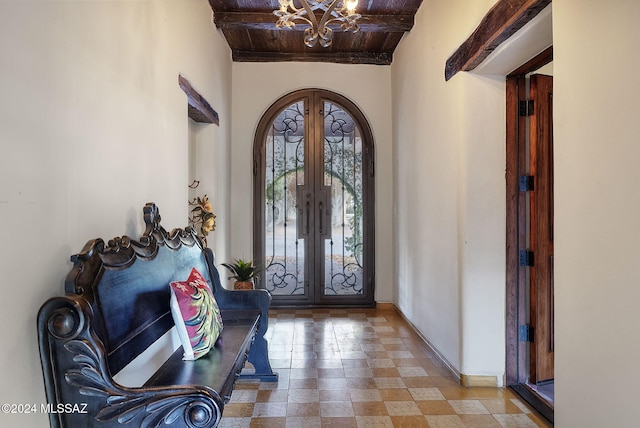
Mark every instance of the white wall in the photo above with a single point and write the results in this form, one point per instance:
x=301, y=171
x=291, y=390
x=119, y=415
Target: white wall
x=597, y=199
x=256, y=86
x=93, y=125
x=449, y=138
x=449, y=161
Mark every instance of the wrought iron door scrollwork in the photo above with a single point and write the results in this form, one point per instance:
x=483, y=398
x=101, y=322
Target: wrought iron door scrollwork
x=324, y=190
x=285, y=191
x=343, y=160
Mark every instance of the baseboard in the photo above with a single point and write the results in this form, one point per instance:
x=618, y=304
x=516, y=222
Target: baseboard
x=387, y=306
x=472, y=381
x=455, y=373
x=464, y=380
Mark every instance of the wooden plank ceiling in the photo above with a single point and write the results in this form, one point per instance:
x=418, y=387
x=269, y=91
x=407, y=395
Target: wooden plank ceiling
x=250, y=30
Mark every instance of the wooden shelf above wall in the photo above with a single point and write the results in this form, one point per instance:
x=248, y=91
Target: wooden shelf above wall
x=199, y=109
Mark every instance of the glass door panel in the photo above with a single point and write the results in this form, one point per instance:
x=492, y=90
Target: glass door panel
x=285, y=175
x=342, y=161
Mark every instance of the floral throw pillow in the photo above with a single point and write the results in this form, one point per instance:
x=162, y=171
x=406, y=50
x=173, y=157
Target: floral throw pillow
x=196, y=315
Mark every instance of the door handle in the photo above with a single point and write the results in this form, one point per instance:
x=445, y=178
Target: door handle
x=324, y=212
x=304, y=218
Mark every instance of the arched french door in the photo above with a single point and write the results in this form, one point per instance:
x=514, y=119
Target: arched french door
x=313, y=201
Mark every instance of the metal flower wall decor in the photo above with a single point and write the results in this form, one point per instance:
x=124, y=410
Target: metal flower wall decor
x=201, y=217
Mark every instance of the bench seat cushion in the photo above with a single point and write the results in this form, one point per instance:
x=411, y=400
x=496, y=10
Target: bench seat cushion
x=217, y=369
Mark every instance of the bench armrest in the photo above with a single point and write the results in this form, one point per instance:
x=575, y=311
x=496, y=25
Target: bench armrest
x=243, y=300
x=76, y=375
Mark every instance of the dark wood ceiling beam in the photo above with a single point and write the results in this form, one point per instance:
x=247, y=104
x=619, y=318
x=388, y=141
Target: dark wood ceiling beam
x=267, y=21
x=501, y=22
x=373, y=58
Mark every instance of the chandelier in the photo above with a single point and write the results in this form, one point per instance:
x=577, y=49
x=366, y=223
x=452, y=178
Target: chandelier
x=341, y=12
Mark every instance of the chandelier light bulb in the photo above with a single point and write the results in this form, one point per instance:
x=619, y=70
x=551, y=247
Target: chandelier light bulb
x=351, y=5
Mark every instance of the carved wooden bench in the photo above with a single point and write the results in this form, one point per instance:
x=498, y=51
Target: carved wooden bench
x=115, y=307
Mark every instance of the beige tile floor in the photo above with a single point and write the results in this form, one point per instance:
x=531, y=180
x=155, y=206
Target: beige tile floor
x=363, y=368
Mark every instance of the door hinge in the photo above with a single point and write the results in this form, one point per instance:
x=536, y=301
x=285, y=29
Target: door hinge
x=526, y=183
x=526, y=258
x=526, y=333
x=526, y=108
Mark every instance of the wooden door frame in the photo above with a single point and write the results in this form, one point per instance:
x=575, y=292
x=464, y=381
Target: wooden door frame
x=516, y=296
x=367, y=299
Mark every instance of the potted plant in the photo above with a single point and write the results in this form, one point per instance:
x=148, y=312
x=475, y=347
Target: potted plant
x=243, y=272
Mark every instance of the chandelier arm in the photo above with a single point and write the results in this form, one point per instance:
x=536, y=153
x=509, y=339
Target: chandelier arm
x=311, y=20
x=326, y=16
x=302, y=18
x=332, y=14
x=288, y=14
x=347, y=23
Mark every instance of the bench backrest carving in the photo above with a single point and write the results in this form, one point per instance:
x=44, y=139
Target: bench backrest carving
x=131, y=315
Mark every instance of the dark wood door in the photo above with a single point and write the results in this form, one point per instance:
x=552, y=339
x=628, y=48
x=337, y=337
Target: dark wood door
x=541, y=228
